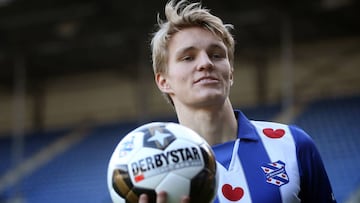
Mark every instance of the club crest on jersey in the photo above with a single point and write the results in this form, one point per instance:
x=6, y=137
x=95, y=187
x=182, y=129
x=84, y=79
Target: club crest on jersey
x=275, y=173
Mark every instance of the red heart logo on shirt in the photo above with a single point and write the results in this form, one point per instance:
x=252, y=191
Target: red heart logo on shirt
x=232, y=194
x=271, y=133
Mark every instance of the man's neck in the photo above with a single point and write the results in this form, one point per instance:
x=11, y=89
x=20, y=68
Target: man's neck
x=214, y=125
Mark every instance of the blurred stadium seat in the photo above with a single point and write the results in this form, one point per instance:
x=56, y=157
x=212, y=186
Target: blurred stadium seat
x=334, y=125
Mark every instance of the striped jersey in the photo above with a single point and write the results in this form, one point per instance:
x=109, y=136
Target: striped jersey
x=270, y=163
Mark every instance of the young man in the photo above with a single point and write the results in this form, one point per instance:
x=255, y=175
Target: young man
x=193, y=58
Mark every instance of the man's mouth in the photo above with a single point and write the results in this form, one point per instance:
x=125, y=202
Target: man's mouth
x=206, y=80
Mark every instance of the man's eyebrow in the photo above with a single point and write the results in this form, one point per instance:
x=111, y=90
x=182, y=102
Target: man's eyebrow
x=217, y=46
x=190, y=48
x=184, y=50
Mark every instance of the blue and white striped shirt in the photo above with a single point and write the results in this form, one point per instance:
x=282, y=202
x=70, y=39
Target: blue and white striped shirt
x=270, y=163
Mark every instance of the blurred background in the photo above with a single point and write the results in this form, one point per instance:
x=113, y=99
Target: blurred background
x=76, y=76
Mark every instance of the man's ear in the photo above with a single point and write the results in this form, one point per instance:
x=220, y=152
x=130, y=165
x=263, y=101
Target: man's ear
x=232, y=76
x=162, y=83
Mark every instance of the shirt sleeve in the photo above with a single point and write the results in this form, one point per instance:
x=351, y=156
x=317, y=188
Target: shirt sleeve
x=314, y=182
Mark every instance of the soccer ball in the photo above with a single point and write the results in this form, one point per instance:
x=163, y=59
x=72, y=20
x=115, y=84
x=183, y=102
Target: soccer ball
x=162, y=156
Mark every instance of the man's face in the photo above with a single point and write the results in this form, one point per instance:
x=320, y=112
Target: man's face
x=199, y=72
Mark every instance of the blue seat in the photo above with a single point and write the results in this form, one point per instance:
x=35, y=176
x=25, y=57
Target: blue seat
x=334, y=125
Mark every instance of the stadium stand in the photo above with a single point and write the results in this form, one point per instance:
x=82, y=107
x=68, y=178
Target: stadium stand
x=33, y=142
x=262, y=112
x=79, y=173
x=334, y=126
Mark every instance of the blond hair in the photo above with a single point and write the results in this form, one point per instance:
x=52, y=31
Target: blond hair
x=180, y=15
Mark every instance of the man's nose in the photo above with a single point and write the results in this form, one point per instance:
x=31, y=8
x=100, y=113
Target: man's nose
x=205, y=61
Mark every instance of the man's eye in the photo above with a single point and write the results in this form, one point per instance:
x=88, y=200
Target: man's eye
x=187, y=58
x=217, y=56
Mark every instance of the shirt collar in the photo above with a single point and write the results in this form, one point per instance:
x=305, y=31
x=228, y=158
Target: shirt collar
x=246, y=129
